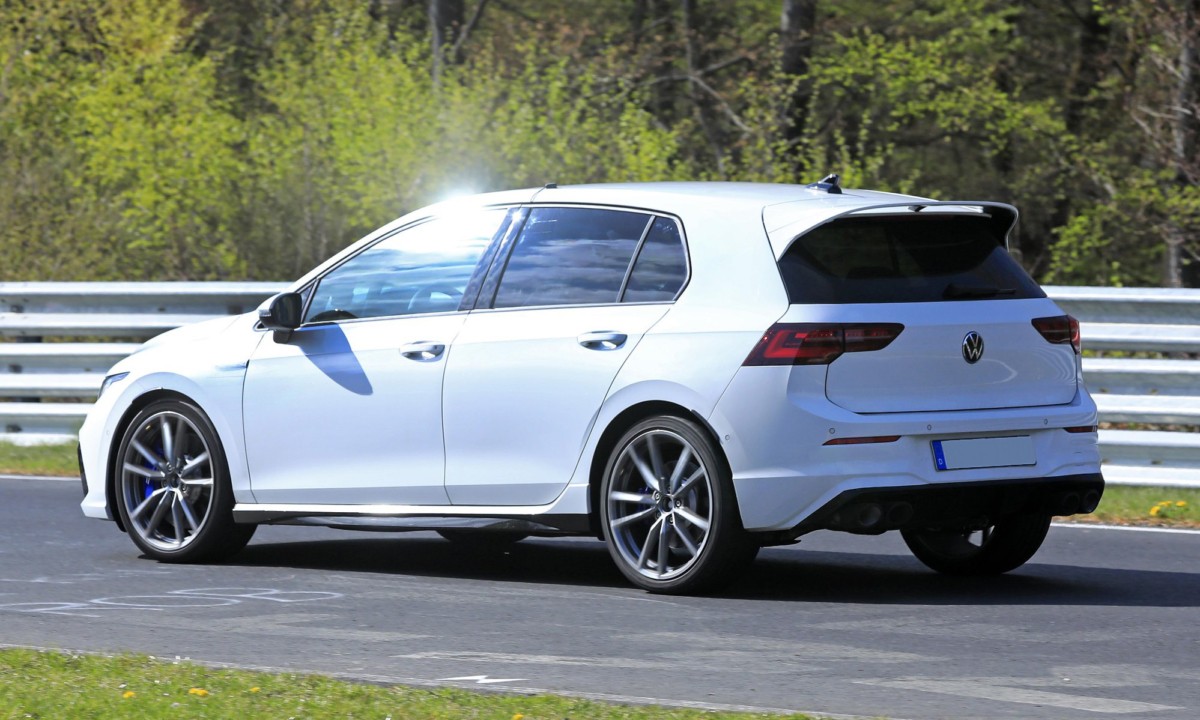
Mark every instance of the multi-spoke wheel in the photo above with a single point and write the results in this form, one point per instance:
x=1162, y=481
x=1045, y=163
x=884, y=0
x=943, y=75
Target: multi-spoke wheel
x=668, y=510
x=173, y=486
x=989, y=550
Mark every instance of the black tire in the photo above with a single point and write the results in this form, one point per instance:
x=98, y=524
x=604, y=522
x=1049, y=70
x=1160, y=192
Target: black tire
x=637, y=515
x=172, y=486
x=483, y=539
x=1005, y=546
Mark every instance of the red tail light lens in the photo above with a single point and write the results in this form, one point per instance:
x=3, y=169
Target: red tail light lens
x=818, y=344
x=1060, y=330
x=864, y=440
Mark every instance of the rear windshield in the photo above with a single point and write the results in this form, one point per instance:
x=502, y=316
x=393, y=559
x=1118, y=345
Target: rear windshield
x=903, y=259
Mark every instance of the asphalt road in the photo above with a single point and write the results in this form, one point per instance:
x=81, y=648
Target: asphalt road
x=1101, y=622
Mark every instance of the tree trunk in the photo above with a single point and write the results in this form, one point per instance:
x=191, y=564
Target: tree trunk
x=797, y=24
x=445, y=22
x=1186, y=133
x=699, y=105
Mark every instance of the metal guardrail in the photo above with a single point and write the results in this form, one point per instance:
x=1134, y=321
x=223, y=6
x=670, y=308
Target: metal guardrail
x=46, y=387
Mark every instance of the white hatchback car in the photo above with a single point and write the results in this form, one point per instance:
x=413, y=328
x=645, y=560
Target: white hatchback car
x=690, y=371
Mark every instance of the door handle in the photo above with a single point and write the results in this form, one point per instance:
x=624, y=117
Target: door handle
x=603, y=340
x=423, y=351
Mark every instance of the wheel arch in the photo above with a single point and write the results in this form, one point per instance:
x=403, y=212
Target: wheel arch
x=618, y=426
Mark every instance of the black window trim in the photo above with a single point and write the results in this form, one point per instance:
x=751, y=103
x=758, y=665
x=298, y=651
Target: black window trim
x=491, y=285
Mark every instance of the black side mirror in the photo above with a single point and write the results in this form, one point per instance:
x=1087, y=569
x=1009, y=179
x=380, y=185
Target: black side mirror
x=282, y=314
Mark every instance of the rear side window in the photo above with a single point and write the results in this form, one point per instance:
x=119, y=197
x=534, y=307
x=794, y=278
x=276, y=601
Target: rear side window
x=571, y=256
x=661, y=266
x=890, y=259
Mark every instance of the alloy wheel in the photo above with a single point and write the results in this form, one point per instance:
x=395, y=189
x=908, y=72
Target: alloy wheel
x=167, y=475
x=660, y=504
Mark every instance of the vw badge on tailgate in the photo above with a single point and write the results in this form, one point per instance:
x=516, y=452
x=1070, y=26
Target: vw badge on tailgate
x=972, y=347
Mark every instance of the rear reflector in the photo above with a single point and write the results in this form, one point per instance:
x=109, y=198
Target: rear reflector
x=1081, y=429
x=864, y=440
x=818, y=344
x=1060, y=330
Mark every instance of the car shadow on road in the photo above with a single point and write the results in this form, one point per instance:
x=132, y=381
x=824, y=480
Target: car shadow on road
x=561, y=562
x=815, y=576
x=777, y=575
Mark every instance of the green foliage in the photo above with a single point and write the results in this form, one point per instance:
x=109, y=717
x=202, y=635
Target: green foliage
x=173, y=139
x=158, y=147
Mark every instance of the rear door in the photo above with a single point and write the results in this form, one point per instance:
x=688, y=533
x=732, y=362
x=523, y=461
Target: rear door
x=966, y=306
x=531, y=367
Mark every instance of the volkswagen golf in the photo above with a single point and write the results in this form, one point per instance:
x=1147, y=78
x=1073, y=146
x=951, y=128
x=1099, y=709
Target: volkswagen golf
x=688, y=371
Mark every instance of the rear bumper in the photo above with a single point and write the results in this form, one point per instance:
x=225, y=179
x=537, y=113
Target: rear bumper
x=774, y=425
x=953, y=505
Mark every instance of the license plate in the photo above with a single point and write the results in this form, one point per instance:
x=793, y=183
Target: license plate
x=983, y=453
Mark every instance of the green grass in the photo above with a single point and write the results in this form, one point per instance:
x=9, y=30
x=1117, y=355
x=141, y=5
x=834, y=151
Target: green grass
x=1121, y=504
x=56, y=460
x=43, y=684
x=1127, y=505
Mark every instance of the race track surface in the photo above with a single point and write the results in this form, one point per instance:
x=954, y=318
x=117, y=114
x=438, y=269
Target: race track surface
x=1100, y=623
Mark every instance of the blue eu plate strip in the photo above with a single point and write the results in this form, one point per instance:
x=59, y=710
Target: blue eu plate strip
x=939, y=457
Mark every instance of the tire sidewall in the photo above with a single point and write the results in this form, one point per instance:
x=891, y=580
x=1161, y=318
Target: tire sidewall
x=216, y=527
x=725, y=536
x=1013, y=542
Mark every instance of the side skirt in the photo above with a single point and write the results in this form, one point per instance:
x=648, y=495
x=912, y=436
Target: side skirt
x=409, y=518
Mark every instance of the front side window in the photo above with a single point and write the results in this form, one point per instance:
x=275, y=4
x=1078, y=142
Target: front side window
x=422, y=269
x=571, y=256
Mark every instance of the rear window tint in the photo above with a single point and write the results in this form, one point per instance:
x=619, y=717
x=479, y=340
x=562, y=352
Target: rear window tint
x=570, y=256
x=903, y=259
x=661, y=267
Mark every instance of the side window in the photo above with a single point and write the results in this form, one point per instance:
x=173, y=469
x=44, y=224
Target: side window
x=570, y=256
x=423, y=269
x=661, y=266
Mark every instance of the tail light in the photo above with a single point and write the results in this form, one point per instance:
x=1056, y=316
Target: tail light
x=1060, y=330
x=819, y=344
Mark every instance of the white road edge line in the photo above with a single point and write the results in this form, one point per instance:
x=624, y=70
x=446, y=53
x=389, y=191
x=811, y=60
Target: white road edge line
x=421, y=682
x=1126, y=528
x=52, y=478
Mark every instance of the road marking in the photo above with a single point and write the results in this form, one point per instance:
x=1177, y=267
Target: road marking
x=933, y=627
x=1128, y=528
x=480, y=679
x=306, y=625
x=733, y=647
x=523, y=659
x=974, y=688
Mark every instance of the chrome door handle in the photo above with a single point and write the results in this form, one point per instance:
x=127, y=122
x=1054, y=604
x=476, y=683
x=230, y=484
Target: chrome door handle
x=604, y=340
x=423, y=351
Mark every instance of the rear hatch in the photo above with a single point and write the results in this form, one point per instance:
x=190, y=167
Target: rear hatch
x=967, y=309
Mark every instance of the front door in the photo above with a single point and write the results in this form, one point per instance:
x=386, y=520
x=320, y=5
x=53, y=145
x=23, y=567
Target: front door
x=348, y=410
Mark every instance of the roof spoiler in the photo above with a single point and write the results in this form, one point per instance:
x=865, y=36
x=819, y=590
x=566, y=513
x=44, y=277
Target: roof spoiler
x=1001, y=216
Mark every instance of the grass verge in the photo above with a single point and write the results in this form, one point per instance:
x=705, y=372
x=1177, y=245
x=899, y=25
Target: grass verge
x=59, y=685
x=1147, y=506
x=54, y=460
x=1122, y=505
